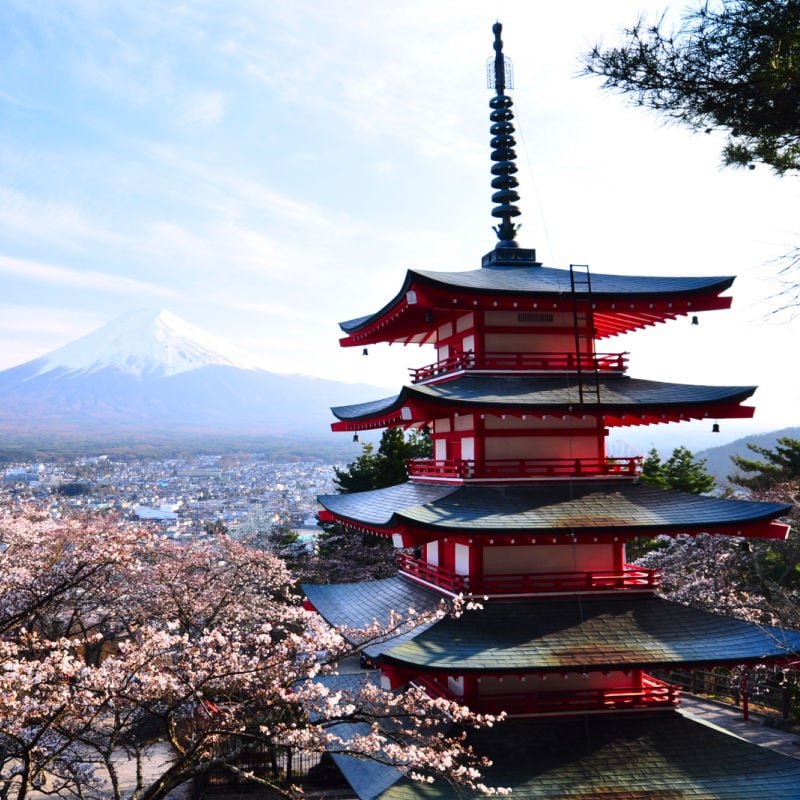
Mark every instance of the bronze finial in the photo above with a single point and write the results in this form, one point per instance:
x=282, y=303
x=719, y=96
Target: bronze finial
x=502, y=144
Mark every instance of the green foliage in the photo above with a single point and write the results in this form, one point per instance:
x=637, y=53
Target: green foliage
x=775, y=467
x=359, y=476
x=733, y=65
x=285, y=543
x=774, y=477
x=72, y=488
x=215, y=527
x=387, y=467
x=680, y=471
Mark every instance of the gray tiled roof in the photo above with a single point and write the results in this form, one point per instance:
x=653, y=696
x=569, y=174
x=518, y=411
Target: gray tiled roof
x=547, y=281
x=378, y=507
x=642, y=757
x=551, y=634
x=592, y=633
x=367, y=777
x=356, y=605
x=557, y=281
x=548, y=508
x=617, y=393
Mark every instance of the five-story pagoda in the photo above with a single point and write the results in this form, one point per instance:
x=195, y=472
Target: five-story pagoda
x=521, y=506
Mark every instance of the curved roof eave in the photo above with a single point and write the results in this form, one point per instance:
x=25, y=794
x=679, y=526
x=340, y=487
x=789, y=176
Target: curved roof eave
x=598, y=633
x=656, y=755
x=548, y=634
x=543, y=281
x=349, y=326
x=547, y=394
x=547, y=509
x=552, y=280
x=354, y=606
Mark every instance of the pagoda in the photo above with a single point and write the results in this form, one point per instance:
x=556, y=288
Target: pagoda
x=522, y=507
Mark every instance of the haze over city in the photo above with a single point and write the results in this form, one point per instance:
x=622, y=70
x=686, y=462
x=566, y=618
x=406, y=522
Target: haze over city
x=265, y=171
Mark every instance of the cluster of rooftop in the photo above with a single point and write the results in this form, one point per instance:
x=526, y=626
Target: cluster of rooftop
x=249, y=493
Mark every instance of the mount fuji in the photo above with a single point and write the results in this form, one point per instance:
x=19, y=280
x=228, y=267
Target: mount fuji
x=151, y=376
x=149, y=342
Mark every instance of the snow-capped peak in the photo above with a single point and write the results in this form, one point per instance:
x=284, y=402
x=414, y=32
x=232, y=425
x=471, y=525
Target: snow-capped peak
x=148, y=341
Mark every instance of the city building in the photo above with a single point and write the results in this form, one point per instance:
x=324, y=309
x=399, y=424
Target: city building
x=521, y=509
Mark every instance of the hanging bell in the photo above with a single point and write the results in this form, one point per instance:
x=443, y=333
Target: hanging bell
x=695, y=321
x=715, y=428
x=365, y=352
x=355, y=437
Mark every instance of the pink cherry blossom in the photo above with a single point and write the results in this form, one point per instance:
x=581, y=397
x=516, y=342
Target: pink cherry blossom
x=110, y=636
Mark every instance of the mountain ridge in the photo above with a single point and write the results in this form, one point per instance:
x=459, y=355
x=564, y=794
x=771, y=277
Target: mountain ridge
x=718, y=459
x=150, y=374
x=143, y=341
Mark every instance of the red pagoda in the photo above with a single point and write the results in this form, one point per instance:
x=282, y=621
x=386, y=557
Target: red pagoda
x=521, y=506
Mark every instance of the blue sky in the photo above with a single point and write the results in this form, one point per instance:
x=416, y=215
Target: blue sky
x=265, y=169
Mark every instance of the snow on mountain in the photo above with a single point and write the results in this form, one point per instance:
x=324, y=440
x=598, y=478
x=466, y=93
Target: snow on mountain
x=150, y=375
x=144, y=342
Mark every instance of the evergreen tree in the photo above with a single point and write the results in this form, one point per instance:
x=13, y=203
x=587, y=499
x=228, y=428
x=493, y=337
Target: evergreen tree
x=387, y=467
x=390, y=466
x=732, y=65
x=777, y=466
x=775, y=477
x=651, y=469
x=360, y=475
x=680, y=471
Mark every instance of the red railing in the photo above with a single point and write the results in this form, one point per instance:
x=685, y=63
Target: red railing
x=430, y=573
x=536, y=362
x=503, y=469
x=652, y=694
x=629, y=578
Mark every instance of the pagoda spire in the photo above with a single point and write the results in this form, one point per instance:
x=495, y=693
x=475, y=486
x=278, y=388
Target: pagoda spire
x=502, y=144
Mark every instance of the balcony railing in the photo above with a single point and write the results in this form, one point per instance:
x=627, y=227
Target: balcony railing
x=531, y=468
x=629, y=578
x=522, y=362
x=652, y=694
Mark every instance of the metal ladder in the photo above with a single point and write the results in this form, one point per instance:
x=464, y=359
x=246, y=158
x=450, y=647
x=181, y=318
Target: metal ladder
x=583, y=325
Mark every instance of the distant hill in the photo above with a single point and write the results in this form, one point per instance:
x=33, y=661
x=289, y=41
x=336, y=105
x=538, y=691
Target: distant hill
x=718, y=459
x=150, y=380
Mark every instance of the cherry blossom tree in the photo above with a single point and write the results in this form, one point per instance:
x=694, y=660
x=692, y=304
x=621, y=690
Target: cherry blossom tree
x=112, y=638
x=753, y=579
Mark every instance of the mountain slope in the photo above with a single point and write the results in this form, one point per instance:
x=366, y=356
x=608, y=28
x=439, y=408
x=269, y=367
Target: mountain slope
x=718, y=459
x=151, y=372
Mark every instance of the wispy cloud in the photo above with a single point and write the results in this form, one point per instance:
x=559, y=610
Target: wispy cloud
x=5, y=97
x=39, y=272
x=42, y=220
x=201, y=108
x=231, y=184
x=397, y=94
